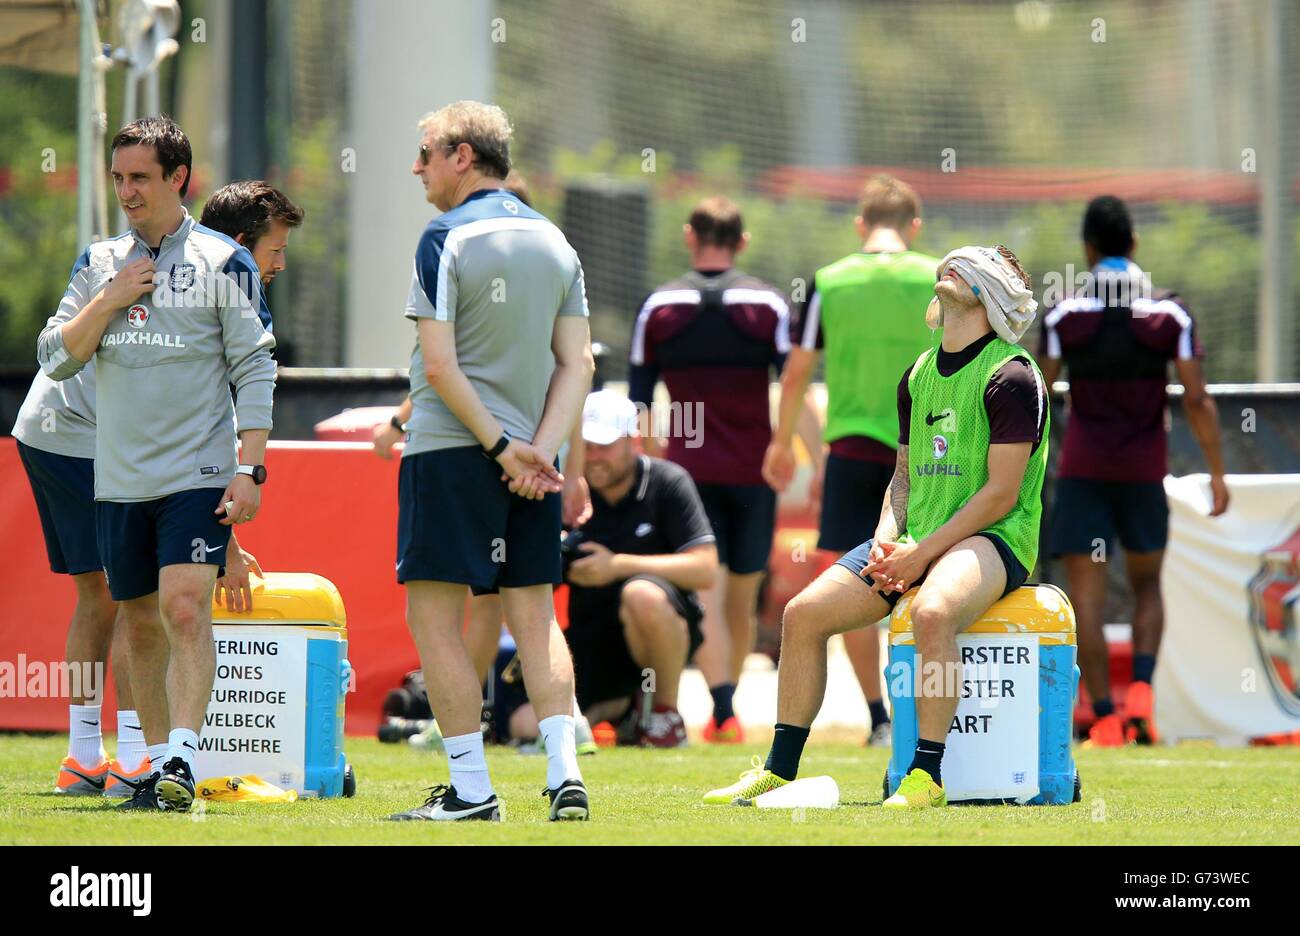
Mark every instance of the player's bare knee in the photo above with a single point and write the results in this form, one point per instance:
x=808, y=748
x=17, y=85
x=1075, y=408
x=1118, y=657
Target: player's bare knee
x=931, y=624
x=94, y=599
x=1145, y=586
x=800, y=620
x=141, y=626
x=663, y=626
x=643, y=604
x=416, y=625
x=187, y=619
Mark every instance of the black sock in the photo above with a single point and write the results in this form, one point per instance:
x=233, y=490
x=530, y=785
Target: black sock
x=722, y=697
x=1103, y=707
x=1144, y=667
x=878, y=714
x=787, y=748
x=928, y=757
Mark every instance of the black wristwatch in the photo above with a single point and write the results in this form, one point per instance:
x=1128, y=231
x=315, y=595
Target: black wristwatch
x=397, y=424
x=492, y=453
x=256, y=472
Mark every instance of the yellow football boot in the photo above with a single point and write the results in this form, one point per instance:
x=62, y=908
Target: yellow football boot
x=752, y=783
x=917, y=791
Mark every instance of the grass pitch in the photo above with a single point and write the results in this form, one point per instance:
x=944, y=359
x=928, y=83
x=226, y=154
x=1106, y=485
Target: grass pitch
x=1183, y=795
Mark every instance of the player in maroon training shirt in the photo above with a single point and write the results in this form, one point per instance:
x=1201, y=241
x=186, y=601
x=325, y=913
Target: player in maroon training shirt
x=714, y=336
x=1116, y=338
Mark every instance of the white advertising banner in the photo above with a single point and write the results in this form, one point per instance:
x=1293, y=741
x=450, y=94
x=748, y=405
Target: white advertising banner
x=992, y=746
x=1229, y=662
x=256, y=721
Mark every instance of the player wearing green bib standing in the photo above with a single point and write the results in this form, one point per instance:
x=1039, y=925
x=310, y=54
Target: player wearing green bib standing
x=960, y=518
x=866, y=314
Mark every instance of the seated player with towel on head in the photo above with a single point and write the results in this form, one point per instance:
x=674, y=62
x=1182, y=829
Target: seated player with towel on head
x=961, y=517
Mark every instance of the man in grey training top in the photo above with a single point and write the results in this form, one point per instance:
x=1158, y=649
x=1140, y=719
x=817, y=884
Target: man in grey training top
x=169, y=311
x=500, y=369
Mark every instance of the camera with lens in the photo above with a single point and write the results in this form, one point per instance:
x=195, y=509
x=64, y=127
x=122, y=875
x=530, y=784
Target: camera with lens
x=569, y=550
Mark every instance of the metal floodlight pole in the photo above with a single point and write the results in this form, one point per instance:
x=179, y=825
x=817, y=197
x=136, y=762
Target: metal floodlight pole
x=1275, y=348
x=103, y=62
x=87, y=154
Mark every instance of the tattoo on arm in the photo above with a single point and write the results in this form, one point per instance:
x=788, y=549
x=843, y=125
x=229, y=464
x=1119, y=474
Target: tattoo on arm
x=898, y=491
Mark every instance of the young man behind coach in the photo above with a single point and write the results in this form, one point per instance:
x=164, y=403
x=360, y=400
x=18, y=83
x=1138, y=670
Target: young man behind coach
x=259, y=217
x=169, y=311
x=500, y=368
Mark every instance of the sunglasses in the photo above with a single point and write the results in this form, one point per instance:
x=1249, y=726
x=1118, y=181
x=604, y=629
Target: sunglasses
x=426, y=151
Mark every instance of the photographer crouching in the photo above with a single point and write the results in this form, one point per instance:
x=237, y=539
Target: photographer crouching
x=633, y=567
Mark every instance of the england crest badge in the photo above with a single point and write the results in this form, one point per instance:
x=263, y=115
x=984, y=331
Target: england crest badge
x=182, y=277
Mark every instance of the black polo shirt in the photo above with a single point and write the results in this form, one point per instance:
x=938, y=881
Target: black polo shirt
x=662, y=513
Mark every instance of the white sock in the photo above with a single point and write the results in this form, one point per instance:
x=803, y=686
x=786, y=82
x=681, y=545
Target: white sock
x=577, y=712
x=157, y=756
x=184, y=744
x=85, y=736
x=561, y=750
x=131, y=749
x=469, y=773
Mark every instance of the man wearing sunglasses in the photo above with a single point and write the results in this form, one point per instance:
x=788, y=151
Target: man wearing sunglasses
x=500, y=370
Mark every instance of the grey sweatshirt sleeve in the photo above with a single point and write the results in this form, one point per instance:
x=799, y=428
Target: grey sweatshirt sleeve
x=247, y=345
x=54, y=358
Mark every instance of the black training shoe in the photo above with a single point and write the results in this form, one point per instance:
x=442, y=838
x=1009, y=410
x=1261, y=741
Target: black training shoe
x=175, y=786
x=569, y=801
x=443, y=805
x=144, y=794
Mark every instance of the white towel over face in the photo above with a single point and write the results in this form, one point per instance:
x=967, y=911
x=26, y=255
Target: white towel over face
x=1009, y=304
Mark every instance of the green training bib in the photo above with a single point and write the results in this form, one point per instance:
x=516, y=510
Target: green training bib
x=949, y=445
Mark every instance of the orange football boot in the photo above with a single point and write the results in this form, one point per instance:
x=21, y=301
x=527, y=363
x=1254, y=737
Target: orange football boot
x=1139, y=714
x=77, y=780
x=729, y=732
x=1106, y=732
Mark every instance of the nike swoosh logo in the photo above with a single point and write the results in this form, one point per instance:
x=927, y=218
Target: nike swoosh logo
x=131, y=727
x=92, y=724
x=931, y=419
x=187, y=744
x=212, y=549
x=96, y=782
x=461, y=754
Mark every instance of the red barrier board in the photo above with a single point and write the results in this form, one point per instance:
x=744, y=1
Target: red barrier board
x=328, y=508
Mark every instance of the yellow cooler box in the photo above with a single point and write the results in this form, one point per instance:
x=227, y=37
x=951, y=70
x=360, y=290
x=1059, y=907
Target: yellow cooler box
x=1010, y=741
x=282, y=679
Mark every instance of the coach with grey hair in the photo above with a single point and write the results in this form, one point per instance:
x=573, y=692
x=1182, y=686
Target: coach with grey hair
x=501, y=366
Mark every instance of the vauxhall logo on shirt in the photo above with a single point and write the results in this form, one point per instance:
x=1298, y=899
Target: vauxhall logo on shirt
x=138, y=317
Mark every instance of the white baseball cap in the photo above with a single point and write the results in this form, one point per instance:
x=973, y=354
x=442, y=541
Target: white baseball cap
x=608, y=417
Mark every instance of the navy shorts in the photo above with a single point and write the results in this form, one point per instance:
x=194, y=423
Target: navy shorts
x=852, y=494
x=743, y=517
x=1084, y=511
x=458, y=522
x=856, y=560
x=64, y=488
x=138, y=538
x=603, y=668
